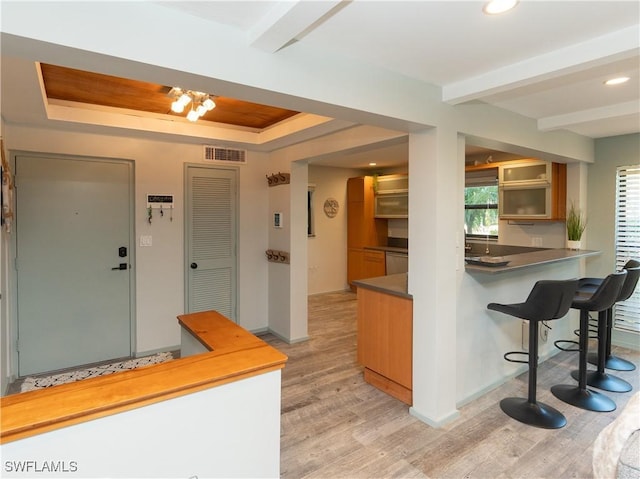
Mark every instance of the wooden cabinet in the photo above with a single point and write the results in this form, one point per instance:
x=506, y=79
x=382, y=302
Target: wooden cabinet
x=533, y=191
x=385, y=338
x=362, y=228
x=374, y=263
x=530, y=189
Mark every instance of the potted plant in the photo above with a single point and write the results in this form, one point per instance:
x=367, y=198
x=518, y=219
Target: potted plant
x=576, y=223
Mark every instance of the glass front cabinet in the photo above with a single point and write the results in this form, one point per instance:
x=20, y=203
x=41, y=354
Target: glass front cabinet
x=532, y=190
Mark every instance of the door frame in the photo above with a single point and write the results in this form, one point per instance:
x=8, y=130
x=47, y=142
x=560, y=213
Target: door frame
x=186, y=269
x=12, y=273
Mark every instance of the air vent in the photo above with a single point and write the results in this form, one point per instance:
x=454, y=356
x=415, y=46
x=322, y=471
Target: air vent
x=228, y=155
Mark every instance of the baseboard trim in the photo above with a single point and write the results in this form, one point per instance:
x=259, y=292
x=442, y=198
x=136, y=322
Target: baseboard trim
x=430, y=422
x=287, y=340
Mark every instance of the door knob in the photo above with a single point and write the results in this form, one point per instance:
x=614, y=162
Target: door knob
x=194, y=265
x=120, y=266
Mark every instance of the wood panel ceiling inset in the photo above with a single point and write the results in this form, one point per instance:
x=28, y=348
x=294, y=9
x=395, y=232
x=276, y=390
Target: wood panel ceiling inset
x=68, y=84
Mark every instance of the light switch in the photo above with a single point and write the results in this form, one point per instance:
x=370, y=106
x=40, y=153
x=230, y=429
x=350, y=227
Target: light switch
x=146, y=240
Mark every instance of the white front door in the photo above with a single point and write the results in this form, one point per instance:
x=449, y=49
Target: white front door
x=73, y=233
x=211, y=240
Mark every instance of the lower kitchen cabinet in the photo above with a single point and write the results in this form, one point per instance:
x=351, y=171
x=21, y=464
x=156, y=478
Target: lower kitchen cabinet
x=374, y=264
x=385, y=336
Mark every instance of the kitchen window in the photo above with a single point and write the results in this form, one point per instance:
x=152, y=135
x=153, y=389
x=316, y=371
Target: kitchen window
x=481, y=204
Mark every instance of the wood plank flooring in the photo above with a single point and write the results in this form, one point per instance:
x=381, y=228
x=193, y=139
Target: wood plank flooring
x=334, y=425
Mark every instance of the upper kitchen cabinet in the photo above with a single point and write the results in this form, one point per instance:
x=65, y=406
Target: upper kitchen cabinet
x=392, y=196
x=533, y=191
x=530, y=189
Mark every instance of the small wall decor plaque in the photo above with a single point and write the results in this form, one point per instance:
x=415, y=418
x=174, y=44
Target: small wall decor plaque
x=331, y=207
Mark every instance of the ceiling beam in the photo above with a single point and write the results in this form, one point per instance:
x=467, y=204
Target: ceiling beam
x=288, y=21
x=609, y=112
x=602, y=50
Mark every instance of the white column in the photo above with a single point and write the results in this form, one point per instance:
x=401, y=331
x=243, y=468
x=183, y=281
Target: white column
x=434, y=219
x=299, y=260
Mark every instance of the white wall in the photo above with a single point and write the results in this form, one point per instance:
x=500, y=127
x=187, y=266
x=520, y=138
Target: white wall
x=327, y=250
x=159, y=269
x=227, y=431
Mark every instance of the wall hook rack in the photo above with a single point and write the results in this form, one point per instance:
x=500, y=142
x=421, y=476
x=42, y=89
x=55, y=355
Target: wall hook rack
x=161, y=203
x=279, y=179
x=275, y=256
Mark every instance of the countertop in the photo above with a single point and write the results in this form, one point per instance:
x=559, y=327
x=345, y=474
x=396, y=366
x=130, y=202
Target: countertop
x=395, y=284
x=392, y=249
x=524, y=260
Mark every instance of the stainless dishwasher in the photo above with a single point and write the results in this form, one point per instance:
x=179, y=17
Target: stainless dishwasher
x=396, y=262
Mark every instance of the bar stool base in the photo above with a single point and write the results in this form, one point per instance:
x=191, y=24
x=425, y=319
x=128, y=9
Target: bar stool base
x=583, y=398
x=538, y=414
x=612, y=362
x=604, y=381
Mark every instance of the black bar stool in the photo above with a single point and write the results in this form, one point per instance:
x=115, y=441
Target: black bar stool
x=603, y=298
x=610, y=361
x=549, y=299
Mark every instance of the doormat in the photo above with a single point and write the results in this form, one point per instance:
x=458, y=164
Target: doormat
x=32, y=383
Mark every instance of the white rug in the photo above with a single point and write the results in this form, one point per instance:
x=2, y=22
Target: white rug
x=31, y=382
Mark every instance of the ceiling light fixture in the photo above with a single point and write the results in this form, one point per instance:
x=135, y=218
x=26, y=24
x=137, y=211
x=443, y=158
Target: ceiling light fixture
x=495, y=7
x=200, y=102
x=617, y=81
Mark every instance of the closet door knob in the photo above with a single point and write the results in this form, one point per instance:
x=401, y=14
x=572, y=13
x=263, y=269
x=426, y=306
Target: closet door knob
x=194, y=265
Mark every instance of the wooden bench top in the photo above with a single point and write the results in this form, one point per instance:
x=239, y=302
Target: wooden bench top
x=236, y=354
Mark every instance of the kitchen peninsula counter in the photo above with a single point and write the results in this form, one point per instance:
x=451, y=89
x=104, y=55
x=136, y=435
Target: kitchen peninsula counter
x=534, y=258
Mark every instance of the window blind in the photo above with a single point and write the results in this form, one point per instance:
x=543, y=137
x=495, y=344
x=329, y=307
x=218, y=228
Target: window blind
x=627, y=241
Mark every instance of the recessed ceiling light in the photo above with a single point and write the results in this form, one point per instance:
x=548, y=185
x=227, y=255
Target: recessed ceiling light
x=372, y=164
x=494, y=7
x=617, y=81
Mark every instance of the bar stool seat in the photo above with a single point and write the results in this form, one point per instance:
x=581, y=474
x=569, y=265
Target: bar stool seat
x=549, y=299
x=601, y=300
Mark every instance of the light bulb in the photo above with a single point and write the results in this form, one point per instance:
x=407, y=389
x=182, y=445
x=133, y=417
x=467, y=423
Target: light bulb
x=184, y=99
x=209, y=104
x=201, y=110
x=177, y=107
x=192, y=115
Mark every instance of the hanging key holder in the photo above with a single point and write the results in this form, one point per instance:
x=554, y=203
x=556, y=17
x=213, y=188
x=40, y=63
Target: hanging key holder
x=159, y=202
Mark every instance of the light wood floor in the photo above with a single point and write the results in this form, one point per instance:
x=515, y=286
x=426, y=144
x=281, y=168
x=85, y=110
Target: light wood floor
x=334, y=425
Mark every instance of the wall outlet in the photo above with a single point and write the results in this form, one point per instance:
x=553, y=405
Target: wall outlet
x=544, y=333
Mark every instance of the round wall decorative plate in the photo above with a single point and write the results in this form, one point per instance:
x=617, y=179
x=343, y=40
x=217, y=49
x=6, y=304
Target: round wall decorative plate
x=331, y=207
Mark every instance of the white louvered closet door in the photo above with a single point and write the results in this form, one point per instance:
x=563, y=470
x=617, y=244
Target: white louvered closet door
x=211, y=240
